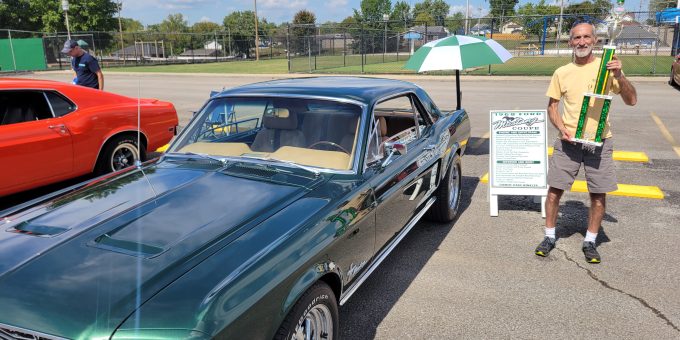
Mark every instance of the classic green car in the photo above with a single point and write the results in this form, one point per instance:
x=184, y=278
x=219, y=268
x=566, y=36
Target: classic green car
x=267, y=212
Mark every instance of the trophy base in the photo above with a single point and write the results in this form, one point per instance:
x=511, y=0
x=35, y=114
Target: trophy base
x=586, y=142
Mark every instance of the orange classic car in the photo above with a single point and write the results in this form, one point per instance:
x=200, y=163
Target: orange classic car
x=52, y=131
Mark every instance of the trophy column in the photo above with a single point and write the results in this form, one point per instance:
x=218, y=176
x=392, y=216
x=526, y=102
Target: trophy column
x=597, y=94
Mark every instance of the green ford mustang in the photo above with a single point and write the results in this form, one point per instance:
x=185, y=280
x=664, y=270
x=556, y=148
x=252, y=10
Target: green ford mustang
x=267, y=212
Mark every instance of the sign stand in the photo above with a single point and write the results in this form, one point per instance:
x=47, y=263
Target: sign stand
x=518, y=156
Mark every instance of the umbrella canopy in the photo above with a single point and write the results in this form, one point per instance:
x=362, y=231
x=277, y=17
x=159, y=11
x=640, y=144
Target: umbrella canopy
x=457, y=52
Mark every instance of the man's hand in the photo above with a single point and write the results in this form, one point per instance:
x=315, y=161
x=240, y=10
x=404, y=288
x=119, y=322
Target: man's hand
x=628, y=93
x=566, y=136
x=615, y=67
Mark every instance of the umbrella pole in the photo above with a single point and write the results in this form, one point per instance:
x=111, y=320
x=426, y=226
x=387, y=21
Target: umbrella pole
x=458, y=93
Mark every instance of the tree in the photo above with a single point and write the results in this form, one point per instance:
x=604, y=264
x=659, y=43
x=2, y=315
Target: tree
x=303, y=31
x=437, y=9
x=372, y=12
x=131, y=25
x=456, y=23
x=660, y=5
x=17, y=12
x=205, y=27
x=174, y=23
x=531, y=14
x=401, y=14
x=502, y=8
x=425, y=18
x=241, y=27
x=91, y=15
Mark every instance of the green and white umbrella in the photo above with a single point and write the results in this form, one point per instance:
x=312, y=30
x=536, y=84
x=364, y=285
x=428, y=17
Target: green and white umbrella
x=457, y=52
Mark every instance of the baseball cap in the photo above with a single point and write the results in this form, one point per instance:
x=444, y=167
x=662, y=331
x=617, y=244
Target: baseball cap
x=69, y=45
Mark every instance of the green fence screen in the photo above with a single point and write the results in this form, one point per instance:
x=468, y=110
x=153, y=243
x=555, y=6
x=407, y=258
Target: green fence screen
x=29, y=55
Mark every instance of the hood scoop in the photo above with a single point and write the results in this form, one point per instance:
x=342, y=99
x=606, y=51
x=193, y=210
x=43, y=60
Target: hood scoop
x=33, y=229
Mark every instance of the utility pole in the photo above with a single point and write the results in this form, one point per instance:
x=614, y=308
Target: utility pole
x=559, y=28
x=64, y=6
x=120, y=29
x=467, y=15
x=257, y=40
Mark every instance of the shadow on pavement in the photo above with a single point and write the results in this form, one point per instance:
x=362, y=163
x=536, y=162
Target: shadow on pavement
x=573, y=219
x=477, y=146
x=365, y=310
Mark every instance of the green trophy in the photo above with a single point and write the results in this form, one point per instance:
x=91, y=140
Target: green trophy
x=598, y=93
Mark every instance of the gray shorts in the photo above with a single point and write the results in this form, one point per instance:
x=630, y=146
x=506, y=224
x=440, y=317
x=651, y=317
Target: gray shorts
x=597, y=161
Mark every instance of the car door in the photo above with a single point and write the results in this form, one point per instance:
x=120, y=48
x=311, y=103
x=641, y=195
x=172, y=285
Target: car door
x=401, y=181
x=34, y=144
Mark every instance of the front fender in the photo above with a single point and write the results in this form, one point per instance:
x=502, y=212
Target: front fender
x=323, y=269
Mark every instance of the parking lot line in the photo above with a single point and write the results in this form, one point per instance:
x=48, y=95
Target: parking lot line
x=623, y=156
x=629, y=190
x=666, y=134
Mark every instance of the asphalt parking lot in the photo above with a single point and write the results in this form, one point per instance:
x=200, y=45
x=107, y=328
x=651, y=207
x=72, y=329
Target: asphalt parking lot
x=479, y=278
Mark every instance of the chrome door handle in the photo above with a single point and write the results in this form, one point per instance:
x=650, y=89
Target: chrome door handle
x=60, y=127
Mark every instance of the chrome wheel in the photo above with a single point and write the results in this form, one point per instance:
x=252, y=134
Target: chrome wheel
x=454, y=185
x=317, y=324
x=123, y=156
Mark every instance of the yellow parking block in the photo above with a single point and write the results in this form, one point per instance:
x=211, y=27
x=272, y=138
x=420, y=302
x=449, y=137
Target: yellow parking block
x=628, y=190
x=623, y=156
x=163, y=148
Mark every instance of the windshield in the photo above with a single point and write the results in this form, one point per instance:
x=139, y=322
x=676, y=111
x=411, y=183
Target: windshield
x=309, y=132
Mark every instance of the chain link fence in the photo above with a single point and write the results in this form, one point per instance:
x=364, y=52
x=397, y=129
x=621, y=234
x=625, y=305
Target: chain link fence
x=645, y=46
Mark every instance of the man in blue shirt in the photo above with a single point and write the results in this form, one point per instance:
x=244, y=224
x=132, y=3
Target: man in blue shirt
x=85, y=66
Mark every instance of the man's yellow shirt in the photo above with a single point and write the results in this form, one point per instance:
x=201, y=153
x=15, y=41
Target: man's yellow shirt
x=569, y=83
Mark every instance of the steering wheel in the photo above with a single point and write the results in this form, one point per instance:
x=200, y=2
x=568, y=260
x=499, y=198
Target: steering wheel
x=329, y=143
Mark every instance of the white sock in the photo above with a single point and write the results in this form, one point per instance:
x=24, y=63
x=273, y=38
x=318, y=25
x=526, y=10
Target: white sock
x=590, y=237
x=550, y=232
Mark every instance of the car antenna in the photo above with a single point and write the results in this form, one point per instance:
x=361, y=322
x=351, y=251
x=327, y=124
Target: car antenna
x=138, y=161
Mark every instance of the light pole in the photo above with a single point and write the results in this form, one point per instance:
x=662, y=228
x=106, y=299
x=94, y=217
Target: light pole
x=120, y=30
x=467, y=15
x=385, y=18
x=64, y=6
x=257, y=39
x=559, y=28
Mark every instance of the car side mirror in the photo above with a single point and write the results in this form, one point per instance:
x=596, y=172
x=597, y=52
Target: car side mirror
x=393, y=148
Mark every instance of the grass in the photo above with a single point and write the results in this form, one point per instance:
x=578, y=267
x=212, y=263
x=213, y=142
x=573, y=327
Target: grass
x=351, y=64
x=277, y=66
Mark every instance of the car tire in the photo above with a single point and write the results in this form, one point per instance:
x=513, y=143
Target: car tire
x=671, y=81
x=118, y=153
x=445, y=208
x=316, y=311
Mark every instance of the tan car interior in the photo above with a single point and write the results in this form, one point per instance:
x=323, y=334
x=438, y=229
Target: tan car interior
x=280, y=138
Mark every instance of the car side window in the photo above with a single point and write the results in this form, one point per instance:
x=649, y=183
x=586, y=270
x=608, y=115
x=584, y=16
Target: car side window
x=23, y=106
x=60, y=105
x=397, y=119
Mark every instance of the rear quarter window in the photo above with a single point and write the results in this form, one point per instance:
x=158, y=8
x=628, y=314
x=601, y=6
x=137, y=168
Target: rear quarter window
x=60, y=105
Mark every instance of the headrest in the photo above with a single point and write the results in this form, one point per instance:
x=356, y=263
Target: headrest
x=383, y=126
x=279, y=118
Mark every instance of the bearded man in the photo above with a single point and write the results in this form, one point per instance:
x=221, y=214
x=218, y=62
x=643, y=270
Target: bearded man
x=570, y=82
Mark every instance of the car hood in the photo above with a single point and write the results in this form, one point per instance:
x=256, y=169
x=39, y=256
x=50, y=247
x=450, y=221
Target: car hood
x=78, y=265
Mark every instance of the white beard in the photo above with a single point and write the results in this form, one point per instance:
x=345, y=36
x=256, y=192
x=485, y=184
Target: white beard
x=581, y=53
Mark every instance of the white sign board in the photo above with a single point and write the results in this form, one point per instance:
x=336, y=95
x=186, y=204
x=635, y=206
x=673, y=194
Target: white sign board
x=518, y=155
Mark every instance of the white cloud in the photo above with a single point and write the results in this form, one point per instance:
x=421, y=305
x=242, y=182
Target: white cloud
x=205, y=19
x=283, y=4
x=474, y=11
x=336, y=3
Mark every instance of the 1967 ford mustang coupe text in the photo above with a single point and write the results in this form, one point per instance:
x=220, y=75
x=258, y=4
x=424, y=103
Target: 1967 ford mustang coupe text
x=267, y=212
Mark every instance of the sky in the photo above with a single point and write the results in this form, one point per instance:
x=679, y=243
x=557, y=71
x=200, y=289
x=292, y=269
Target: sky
x=278, y=11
